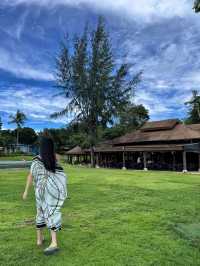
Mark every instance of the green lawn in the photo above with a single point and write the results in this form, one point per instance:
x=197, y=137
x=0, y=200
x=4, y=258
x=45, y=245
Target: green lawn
x=16, y=158
x=113, y=217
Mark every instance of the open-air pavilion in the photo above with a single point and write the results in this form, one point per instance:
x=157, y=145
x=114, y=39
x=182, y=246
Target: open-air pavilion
x=77, y=155
x=158, y=145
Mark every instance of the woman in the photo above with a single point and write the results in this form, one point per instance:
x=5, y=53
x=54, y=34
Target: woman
x=50, y=191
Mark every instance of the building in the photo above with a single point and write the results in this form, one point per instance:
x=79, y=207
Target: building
x=158, y=145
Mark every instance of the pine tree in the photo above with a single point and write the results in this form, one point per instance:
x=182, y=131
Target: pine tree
x=197, y=6
x=95, y=88
x=194, y=109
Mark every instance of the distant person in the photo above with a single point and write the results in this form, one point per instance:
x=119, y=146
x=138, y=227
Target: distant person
x=50, y=192
x=138, y=160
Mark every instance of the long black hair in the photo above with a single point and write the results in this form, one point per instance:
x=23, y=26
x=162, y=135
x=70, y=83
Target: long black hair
x=47, y=153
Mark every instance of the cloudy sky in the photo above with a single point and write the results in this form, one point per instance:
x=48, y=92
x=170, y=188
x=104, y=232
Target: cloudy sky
x=160, y=37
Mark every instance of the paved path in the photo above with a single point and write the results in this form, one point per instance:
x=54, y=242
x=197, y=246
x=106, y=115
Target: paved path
x=14, y=164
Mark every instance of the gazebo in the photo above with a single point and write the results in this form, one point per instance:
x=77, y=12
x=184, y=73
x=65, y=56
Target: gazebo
x=77, y=155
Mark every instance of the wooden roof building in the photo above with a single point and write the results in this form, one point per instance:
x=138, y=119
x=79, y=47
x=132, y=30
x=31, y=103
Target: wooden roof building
x=161, y=132
x=163, y=143
x=166, y=136
x=76, y=151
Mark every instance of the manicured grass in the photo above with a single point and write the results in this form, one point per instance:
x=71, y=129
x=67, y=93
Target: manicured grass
x=16, y=158
x=113, y=217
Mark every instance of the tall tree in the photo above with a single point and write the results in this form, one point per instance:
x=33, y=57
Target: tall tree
x=27, y=136
x=95, y=87
x=7, y=138
x=133, y=117
x=194, y=108
x=1, y=124
x=19, y=119
x=197, y=6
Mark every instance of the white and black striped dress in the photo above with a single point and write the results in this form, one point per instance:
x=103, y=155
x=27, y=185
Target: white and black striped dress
x=50, y=193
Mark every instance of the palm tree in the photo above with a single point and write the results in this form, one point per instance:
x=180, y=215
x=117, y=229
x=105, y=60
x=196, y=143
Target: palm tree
x=197, y=6
x=18, y=119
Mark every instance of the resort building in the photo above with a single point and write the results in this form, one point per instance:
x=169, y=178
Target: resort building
x=158, y=145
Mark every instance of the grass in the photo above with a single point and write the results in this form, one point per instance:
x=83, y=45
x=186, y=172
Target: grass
x=16, y=158
x=113, y=218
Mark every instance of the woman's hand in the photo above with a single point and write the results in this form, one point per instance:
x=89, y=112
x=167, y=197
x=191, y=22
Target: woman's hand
x=24, y=196
x=28, y=184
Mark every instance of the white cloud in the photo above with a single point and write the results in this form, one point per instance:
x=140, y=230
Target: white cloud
x=33, y=102
x=148, y=9
x=17, y=65
x=167, y=51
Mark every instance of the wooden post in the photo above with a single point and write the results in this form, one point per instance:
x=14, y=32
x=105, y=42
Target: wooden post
x=184, y=162
x=124, y=159
x=92, y=156
x=174, y=161
x=97, y=160
x=145, y=161
x=100, y=159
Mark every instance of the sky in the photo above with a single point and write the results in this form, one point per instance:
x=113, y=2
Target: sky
x=159, y=37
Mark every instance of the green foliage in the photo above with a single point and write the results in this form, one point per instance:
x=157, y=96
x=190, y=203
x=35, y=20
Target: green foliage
x=133, y=117
x=113, y=218
x=194, y=109
x=130, y=118
x=74, y=134
x=1, y=124
x=96, y=89
x=197, y=6
x=7, y=137
x=27, y=136
x=19, y=119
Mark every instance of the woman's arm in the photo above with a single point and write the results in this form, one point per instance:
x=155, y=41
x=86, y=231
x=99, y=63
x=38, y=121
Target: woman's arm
x=28, y=184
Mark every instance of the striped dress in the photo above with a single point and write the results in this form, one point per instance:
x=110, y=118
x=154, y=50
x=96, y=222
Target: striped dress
x=50, y=193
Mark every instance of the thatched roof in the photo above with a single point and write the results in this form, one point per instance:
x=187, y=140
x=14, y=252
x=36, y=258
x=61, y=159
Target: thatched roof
x=76, y=151
x=160, y=125
x=107, y=146
x=153, y=136
x=194, y=127
x=164, y=131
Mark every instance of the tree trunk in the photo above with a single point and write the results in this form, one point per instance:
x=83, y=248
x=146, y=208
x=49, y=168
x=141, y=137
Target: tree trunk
x=17, y=137
x=198, y=111
x=93, y=135
x=92, y=157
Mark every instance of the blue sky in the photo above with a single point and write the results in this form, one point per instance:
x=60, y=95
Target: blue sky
x=160, y=37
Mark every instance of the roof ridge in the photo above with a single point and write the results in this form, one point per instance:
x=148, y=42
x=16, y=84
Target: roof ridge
x=163, y=120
